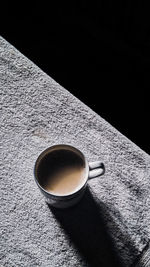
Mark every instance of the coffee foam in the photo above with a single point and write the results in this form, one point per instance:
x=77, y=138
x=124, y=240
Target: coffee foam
x=62, y=172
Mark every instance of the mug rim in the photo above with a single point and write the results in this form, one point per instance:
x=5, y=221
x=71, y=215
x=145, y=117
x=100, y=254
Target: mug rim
x=44, y=153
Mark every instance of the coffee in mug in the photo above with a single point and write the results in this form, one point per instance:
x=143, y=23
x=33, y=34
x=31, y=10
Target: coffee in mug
x=61, y=172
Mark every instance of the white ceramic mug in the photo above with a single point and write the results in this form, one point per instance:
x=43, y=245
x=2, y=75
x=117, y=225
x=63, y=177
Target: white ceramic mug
x=92, y=170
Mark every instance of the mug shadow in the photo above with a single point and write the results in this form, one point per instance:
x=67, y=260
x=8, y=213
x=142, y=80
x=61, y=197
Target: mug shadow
x=85, y=226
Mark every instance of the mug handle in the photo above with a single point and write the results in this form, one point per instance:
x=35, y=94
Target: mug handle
x=97, y=168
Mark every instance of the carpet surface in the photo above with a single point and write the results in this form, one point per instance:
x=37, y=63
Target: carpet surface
x=111, y=224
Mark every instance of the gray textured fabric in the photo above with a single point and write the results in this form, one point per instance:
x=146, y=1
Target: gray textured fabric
x=112, y=221
x=144, y=258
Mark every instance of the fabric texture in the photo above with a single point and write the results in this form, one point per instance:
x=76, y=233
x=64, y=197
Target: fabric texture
x=111, y=224
x=144, y=258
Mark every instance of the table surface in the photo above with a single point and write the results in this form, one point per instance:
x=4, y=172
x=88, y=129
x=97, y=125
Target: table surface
x=111, y=224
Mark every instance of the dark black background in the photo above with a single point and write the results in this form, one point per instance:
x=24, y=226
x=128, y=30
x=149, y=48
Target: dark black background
x=99, y=51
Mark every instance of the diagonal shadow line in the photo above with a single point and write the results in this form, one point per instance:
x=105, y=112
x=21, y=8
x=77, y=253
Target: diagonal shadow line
x=86, y=228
